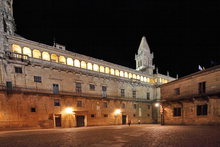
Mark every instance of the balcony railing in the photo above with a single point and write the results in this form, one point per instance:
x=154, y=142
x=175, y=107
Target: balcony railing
x=65, y=93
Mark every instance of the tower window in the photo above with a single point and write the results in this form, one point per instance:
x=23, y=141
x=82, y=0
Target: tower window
x=37, y=79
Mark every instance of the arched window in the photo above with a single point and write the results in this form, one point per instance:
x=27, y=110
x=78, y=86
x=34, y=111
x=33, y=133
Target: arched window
x=145, y=79
x=70, y=61
x=148, y=80
x=134, y=76
x=138, y=77
x=142, y=78
x=102, y=69
x=112, y=71
x=46, y=56
x=116, y=72
x=16, y=48
x=130, y=75
x=126, y=75
x=76, y=63
x=95, y=67
x=54, y=58
x=62, y=59
x=107, y=70
x=27, y=51
x=89, y=66
x=121, y=74
x=83, y=64
x=36, y=54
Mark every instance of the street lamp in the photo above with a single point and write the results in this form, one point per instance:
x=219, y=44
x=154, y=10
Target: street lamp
x=157, y=104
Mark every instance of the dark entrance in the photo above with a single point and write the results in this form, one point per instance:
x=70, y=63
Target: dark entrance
x=80, y=121
x=58, y=120
x=124, y=119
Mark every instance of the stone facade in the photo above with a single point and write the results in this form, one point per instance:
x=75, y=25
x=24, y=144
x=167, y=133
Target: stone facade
x=47, y=86
x=194, y=99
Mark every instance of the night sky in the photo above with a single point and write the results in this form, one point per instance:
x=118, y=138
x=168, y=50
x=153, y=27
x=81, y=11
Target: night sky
x=182, y=34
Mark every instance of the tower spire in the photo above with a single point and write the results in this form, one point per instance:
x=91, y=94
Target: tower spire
x=144, y=58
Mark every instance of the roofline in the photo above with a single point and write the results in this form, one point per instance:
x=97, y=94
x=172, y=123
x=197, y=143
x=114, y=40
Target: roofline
x=193, y=74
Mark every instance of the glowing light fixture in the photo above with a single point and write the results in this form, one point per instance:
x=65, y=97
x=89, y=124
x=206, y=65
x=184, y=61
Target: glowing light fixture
x=69, y=110
x=157, y=104
x=117, y=111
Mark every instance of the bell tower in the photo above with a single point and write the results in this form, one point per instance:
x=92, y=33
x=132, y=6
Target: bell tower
x=144, y=58
x=7, y=24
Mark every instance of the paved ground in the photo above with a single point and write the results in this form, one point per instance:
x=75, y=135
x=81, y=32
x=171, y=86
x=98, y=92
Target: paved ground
x=136, y=135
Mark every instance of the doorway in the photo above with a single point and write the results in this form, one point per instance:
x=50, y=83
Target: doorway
x=124, y=118
x=80, y=120
x=58, y=120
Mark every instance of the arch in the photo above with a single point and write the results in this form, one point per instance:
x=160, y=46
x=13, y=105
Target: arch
x=138, y=77
x=70, y=61
x=83, y=64
x=126, y=75
x=54, y=57
x=16, y=48
x=130, y=75
x=117, y=72
x=107, y=70
x=112, y=71
x=121, y=74
x=46, y=56
x=145, y=79
x=95, y=67
x=142, y=78
x=76, y=63
x=62, y=59
x=148, y=80
x=134, y=76
x=89, y=66
x=36, y=54
x=102, y=69
x=27, y=51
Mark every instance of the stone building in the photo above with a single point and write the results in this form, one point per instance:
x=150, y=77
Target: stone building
x=48, y=86
x=194, y=99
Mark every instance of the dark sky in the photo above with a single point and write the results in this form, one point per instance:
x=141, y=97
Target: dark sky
x=182, y=33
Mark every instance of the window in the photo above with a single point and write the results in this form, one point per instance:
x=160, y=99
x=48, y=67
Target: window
x=105, y=115
x=46, y=56
x=54, y=58
x=123, y=106
x=55, y=88
x=83, y=64
x=56, y=102
x=135, y=106
x=37, y=79
x=202, y=87
x=78, y=87
x=104, y=89
x=76, y=63
x=177, y=91
x=36, y=54
x=18, y=70
x=134, y=94
x=134, y=115
x=176, y=112
x=122, y=93
x=70, y=61
x=27, y=51
x=148, y=95
x=92, y=87
x=33, y=109
x=9, y=85
x=79, y=103
x=16, y=48
x=202, y=109
x=105, y=104
x=62, y=59
x=93, y=115
x=148, y=106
